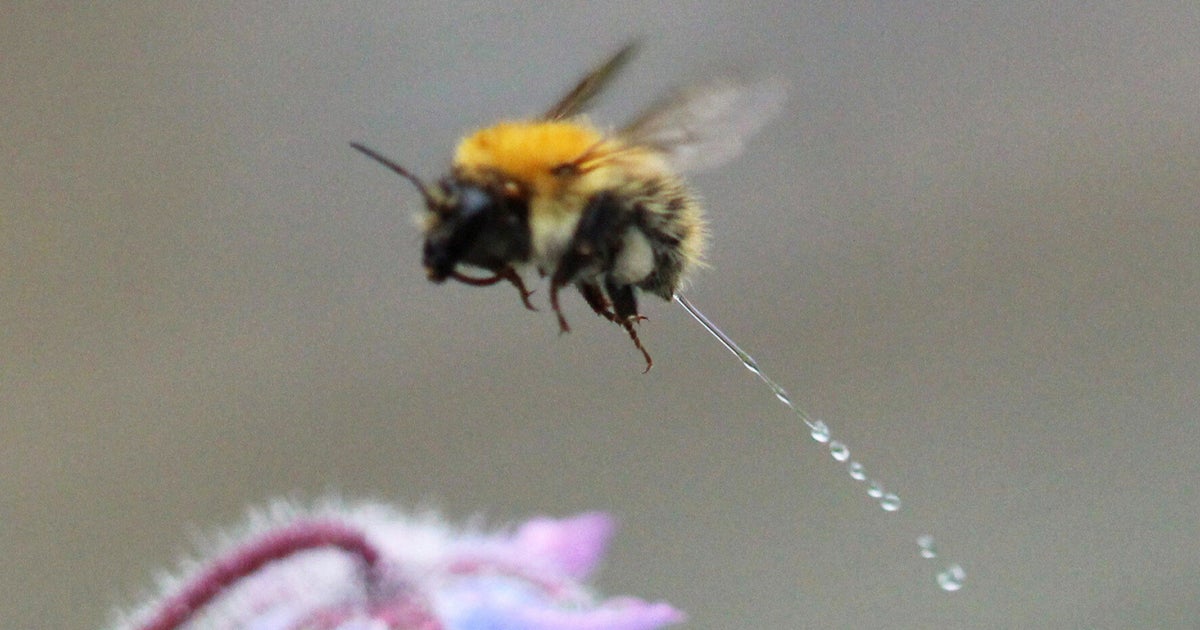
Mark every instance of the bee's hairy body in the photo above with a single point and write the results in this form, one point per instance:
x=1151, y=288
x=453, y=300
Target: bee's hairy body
x=607, y=213
x=647, y=226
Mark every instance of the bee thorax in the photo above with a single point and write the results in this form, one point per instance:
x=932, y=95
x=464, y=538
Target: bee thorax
x=550, y=237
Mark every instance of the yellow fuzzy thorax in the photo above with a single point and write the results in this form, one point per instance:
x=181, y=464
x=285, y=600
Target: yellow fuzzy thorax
x=527, y=151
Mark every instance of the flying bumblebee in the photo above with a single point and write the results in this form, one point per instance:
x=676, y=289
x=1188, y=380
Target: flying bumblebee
x=607, y=213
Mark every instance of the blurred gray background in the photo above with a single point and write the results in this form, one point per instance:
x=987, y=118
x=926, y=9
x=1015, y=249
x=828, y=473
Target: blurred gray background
x=971, y=244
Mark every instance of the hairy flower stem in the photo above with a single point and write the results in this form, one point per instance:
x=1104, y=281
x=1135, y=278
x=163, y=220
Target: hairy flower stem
x=248, y=559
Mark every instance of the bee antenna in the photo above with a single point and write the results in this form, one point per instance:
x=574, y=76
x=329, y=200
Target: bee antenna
x=399, y=170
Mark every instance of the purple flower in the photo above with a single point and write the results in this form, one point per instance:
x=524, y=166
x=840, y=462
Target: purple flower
x=371, y=568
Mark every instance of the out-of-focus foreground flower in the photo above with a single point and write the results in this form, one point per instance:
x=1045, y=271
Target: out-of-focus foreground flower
x=369, y=567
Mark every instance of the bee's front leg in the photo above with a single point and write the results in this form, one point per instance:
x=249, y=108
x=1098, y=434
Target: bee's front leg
x=507, y=273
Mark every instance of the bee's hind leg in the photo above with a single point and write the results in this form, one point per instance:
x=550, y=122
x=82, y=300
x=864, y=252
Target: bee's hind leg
x=624, y=302
x=600, y=304
x=507, y=273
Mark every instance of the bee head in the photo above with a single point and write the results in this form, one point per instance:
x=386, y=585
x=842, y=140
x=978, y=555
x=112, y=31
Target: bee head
x=478, y=223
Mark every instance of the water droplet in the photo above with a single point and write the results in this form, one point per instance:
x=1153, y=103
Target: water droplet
x=781, y=394
x=749, y=362
x=952, y=578
x=857, y=472
x=820, y=431
x=925, y=542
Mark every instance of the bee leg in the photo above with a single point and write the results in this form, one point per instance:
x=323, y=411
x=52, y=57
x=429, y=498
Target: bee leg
x=512, y=276
x=579, y=256
x=625, y=304
x=563, y=327
x=590, y=248
x=508, y=273
x=595, y=299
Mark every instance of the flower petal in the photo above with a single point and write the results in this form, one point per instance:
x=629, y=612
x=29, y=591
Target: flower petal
x=620, y=614
x=573, y=545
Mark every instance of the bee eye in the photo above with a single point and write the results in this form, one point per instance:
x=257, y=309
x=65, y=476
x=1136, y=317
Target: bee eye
x=472, y=201
x=462, y=202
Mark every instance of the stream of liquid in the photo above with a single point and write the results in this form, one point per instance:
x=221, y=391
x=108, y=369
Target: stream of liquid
x=951, y=577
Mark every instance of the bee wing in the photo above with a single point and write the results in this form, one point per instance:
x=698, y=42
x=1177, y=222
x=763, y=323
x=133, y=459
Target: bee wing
x=707, y=125
x=588, y=87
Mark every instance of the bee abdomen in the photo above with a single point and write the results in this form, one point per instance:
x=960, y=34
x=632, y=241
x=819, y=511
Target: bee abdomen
x=671, y=220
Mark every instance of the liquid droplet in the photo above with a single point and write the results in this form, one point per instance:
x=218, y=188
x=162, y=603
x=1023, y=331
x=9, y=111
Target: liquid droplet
x=750, y=363
x=781, y=394
x=925, y=542
x=952, y=578
x=820, y=431
x=857, y=472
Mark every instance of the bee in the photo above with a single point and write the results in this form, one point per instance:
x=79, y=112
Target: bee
x=605, y=212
